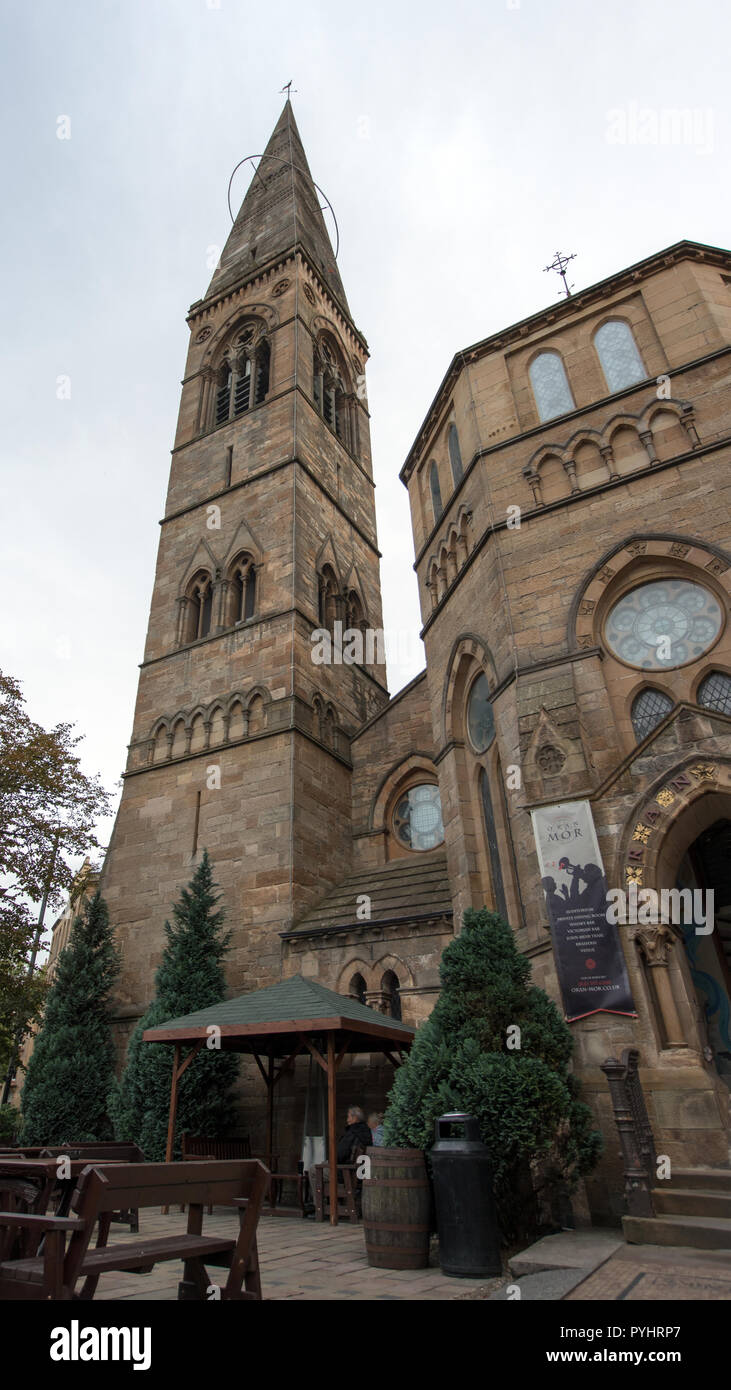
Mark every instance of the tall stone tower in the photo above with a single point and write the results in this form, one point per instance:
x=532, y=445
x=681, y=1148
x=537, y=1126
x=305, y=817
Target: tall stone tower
x=240, y=743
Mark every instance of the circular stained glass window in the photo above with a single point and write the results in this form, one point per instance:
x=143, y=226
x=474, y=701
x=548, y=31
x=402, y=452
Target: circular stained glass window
x=663, y=624
x=480, y=718
x=417, y=819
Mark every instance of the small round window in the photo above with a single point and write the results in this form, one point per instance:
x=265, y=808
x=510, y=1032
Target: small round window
x=480, y=718
x=417, y=819
x=664, y=624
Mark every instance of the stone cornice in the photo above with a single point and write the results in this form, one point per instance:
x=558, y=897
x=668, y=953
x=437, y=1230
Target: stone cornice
x=201, y=309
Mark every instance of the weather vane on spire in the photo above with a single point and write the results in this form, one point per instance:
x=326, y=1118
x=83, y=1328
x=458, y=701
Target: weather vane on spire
x=559, y=264
x=287, y=88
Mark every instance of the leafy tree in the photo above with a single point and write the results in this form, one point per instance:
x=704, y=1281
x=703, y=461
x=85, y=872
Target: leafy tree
x=71, y=1069
x=190, y=977
x=48, y=810
x=524, y=1097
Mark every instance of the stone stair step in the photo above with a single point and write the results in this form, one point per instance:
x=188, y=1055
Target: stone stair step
x=698, y=1232
x=710, y=1179
x=691, y=1201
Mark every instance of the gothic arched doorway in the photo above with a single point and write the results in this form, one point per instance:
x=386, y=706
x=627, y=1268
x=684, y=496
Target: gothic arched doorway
x=696, y=857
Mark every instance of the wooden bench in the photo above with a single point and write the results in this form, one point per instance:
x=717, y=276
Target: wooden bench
x=203, y=1146
x=66, y=1256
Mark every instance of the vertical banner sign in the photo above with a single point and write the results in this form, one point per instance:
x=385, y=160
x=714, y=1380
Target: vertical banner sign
x=589, y=960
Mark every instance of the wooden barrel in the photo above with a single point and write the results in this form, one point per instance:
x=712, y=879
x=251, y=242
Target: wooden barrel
x=396, y=1209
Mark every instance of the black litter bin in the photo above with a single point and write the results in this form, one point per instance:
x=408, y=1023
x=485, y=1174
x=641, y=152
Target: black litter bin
x=469, y=1239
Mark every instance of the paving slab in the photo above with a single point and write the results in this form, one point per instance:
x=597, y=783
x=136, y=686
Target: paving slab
x=566, y=1250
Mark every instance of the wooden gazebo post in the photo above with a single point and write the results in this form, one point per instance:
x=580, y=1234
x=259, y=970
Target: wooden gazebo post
x=332, y=1129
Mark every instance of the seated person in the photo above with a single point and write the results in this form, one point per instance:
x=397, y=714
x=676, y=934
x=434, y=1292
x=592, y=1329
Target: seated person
x=356, y=1138
x=375, y=1124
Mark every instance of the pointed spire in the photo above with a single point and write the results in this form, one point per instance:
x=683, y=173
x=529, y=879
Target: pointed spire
x=281, y=209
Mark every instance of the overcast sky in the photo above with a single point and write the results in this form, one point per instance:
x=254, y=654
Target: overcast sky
x=460, y=146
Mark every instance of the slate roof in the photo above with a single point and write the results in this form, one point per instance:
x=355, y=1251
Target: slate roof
x=405, y=890
x=290, y=1001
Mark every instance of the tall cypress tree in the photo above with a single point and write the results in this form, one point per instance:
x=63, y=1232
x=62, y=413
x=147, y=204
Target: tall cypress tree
x=72, y=1065
x=190, y=977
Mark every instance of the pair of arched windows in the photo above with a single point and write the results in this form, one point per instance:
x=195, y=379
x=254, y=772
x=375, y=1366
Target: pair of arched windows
x=455, y=459
x=239, y=601
x=620, y=362
x=332, y=604
x=651, y=706
x=243, y=376
x=390, y=989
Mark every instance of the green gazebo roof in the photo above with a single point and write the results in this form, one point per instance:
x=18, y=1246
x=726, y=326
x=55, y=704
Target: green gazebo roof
x=293, y=1006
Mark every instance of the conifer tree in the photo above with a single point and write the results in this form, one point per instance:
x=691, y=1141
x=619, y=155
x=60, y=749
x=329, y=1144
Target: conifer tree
x=72, y=1065
x=190, y=977
x=465, y=1058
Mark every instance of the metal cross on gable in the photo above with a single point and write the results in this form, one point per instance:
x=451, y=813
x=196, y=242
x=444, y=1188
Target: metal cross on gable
x=559, y=264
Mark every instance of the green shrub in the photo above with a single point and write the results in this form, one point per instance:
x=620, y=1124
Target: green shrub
x=524, y=1099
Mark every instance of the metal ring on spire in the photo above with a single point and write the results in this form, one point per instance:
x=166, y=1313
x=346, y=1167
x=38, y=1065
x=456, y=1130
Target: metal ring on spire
x=248, y=158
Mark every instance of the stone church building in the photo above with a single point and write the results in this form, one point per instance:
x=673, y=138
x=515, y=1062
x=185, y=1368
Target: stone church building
x=569, y=497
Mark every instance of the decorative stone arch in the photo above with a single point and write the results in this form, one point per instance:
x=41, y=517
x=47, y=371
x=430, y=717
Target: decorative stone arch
x=235, y=718
x=394, y=781
x=179, y=737
x=379, y=997
x=676, y=808
x=584, y=438
x=684, y=415
x=356, y=966
x=217, y=723
x=539, y=467
x=323, y=329
x=469, y=654
x=267, y=314
x=642, y=555
x=160, y=741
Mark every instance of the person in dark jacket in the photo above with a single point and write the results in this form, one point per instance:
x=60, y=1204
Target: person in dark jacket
x=357, y=1136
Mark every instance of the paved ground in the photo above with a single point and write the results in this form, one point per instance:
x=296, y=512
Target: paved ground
x=309, y=1260
x=299, y=1259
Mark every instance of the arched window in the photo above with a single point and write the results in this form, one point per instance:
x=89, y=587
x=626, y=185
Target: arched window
x=550, y=386
x=715, y=692
x=617, y=352
x=243, y=590
x=199, y=607
x=436, y=492
x=246, y=362
x=354, y=615
x=648, y=710
x=328, y=598
x=455, y=454
x=329, y=391
x=357, y=989
x=492, y=845
x=390, y=988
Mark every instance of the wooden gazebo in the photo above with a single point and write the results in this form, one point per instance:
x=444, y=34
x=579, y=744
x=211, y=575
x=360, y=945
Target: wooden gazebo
x=275, y=1025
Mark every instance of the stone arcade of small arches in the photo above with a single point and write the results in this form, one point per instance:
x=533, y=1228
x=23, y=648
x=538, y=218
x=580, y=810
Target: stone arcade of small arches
x=626, y=444
x=452, y=553
x=223, y=721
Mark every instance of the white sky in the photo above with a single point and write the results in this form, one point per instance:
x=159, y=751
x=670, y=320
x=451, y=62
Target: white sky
x=460, y=145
